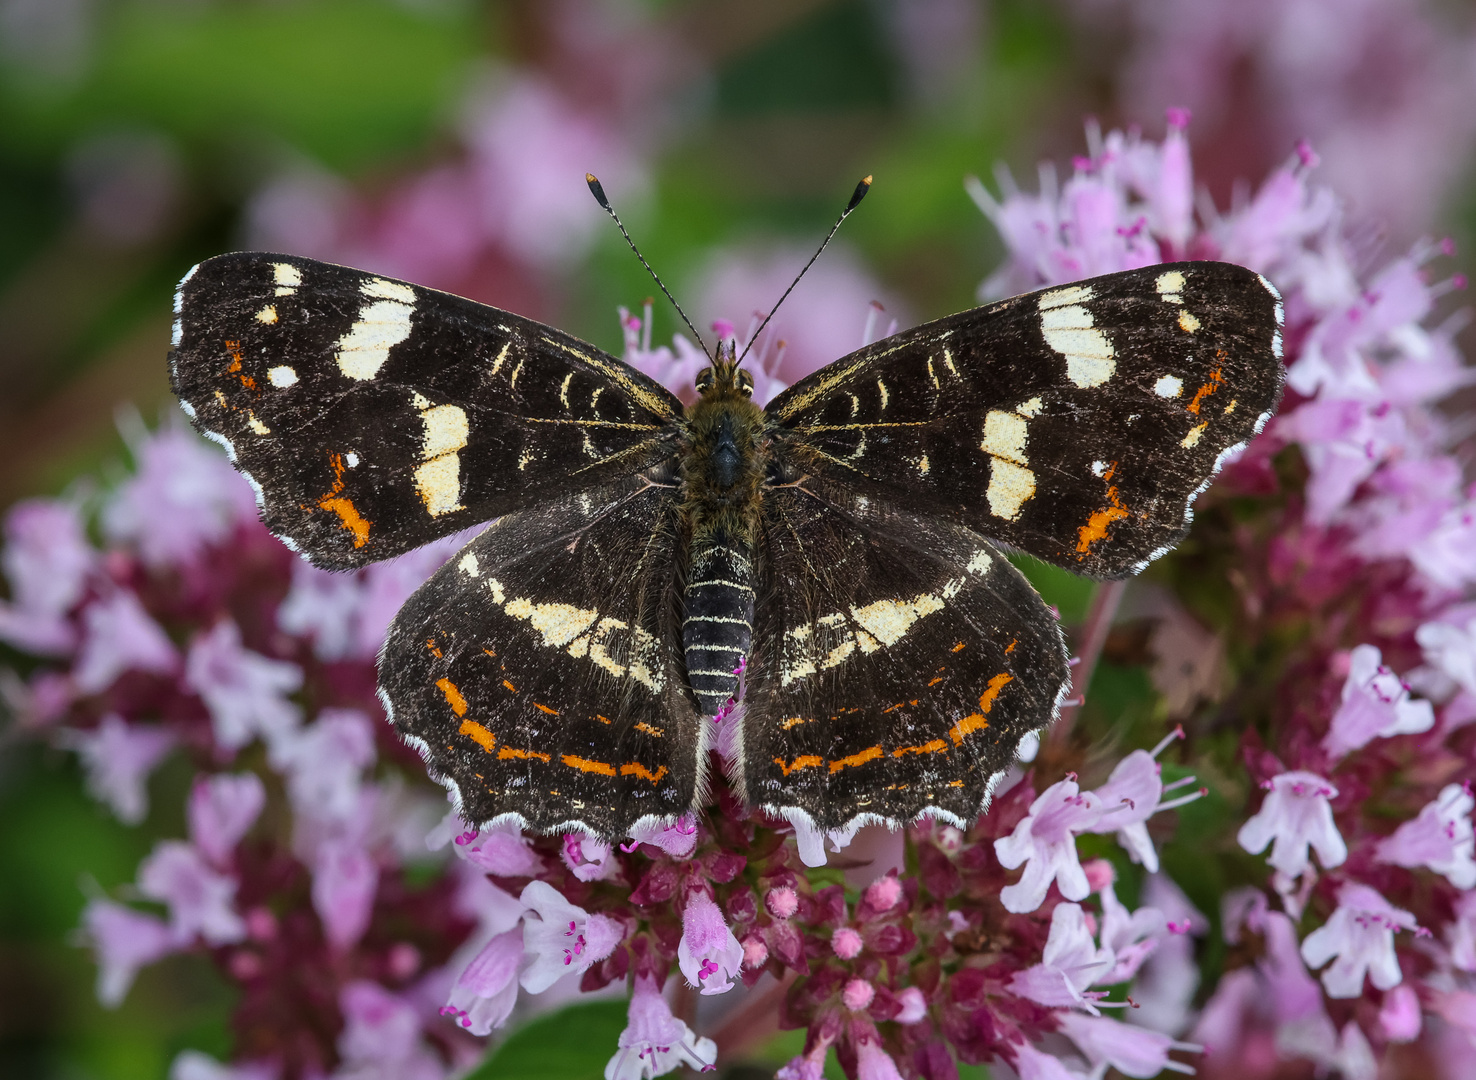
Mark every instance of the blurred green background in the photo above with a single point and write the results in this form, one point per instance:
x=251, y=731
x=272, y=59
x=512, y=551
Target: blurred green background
x=140, y=136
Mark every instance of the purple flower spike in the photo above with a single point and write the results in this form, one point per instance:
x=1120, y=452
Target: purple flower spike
x=487, y=988
x=709, y=954
x=654, y=1041
x=1045, y=841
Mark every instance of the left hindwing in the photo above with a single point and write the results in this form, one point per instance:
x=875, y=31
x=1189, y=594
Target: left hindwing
x=1077, y=423
x=375, y=416
x=539, y=671
x=897, y=662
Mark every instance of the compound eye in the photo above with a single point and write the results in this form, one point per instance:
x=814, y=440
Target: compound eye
x=745, y=383
x=704, y=380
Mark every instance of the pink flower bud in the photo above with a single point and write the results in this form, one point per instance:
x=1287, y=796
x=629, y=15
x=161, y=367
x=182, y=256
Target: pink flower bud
x=781, y=902
x=883, y=893
x=846, y=943
x=857, y=995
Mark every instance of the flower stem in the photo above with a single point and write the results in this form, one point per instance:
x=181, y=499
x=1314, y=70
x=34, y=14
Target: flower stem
x=1091, y=636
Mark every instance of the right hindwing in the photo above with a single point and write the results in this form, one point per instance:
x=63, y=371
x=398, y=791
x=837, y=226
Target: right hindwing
x=374, y=416
x=539, y=671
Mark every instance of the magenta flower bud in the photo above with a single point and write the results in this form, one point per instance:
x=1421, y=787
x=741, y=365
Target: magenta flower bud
x=782, y=902
x=755, y=952
x=914, y=1006
x=857, y=995
x=846, y=942
x=883, y=894
x=1099, y=874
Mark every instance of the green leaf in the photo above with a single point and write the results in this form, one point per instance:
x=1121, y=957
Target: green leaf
x=571, y=1044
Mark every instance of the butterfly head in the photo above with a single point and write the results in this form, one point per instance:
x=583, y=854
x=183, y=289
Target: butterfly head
x=725, y=376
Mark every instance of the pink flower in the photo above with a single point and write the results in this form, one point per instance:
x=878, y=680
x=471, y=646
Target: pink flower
x=502, y=851
x=857, y=995
x=1360, y=934
x=677, y=839
x=846, y=943
x=221, y=810
x=1045, y=840
x=781, y=902
x=1461, y=935
x=183, y=497
x=1167, y=981
x=1071, y=962
x=708, y=953
x=345, y=879
x=124, y=941
x=1132, y=1051
x=322, y=606
x=561, y=938
x=324, y=762
x=1399, y=1015
x=119, y=635
x=1449, y=644
x=675, y=368
x=245, y=691
x=1440, y=838
x=1375, y=705
x=1132, y=795
x=200, y=898
x=588, y=857
x=381, y=1038
x=807, y=1066
x=1296, y=815
x=1131, y=936
x=654, y=1041
x=872, y=1062
x=47, y=560
x=914, y=1006
x=484, y=993
x=118, y=758
x=1033, y=1064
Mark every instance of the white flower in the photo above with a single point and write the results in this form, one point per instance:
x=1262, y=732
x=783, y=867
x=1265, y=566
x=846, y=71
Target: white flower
x=1296, y=815
x=1072, y=961
x=1045, y=839
x=708, y=953
x=1375, y=705
x=560, y=938
x=1360, y=934
x=654, y=1041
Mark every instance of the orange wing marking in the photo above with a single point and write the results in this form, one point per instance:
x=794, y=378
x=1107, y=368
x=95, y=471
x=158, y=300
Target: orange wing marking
x=960, y=645
x=1011, y=647
x=804, y=761
x=545, y=708
x=453, y=696
x=635, y=768
x=1096, y=528
x=1216, y=380
x=512, y=752
x=936, y=746
x=975, y=721
x=478, y=734
x=654, y=732
x=585, y=765
x=430, y=643
x=348, y=515
x=234, y=348
x=871, y=753
x=510, y=686
x=794, y=721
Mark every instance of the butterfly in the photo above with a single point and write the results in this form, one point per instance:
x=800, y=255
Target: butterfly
x=842, y=546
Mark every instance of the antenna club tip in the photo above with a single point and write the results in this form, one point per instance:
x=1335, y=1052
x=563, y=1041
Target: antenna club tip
x=597, y=190
x=860, y=193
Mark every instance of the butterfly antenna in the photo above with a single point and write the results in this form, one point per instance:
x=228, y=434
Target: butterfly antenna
x=856, y=196
x=598, y=191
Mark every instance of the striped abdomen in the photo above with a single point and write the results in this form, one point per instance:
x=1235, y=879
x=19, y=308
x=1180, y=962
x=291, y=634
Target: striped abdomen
x=719, y=626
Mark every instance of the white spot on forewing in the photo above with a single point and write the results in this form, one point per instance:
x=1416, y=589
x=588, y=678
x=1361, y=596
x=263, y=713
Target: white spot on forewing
x=885, y=396
x=445, y=431
x=388, y=290
x=267, y=315
x=1170, y=284
x=1192, y=439
x=1010, y=487
x=468, y=564
x=1187, y=322
x=381, y=326
x=256, y=425
x=1071, y=294
x=281, y=376
x=286, y=274
x=1029, y=408
x=1099, y=468
x=439, y=484
x=1168, y=386
x=980, y=562
x=1004, y=436
x=1089, y=355
x=498, y=595
x=888, y=620
x=351, y=459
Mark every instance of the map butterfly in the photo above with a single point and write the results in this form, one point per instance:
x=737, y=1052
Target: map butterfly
x=840, y=543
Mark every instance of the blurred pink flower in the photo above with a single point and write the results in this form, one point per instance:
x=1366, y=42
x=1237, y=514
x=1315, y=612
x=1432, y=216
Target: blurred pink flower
x=381, y=1037
x=245, y=691
x=345, y=878
x=193, y=1065
x=1375, y=705
x=118, y=758
x=1360, y=935
x=1440, y=838
x=221, y=810
x=123, y=940
x=324, y=761
x=118, y=635
x=1132, y=1051
x=201, y=899
x=47, y=560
